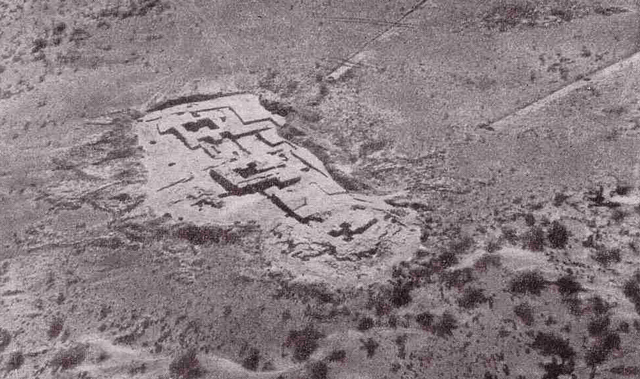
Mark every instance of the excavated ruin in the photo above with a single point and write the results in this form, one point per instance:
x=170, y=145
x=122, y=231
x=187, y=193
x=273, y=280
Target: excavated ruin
x=221, y=161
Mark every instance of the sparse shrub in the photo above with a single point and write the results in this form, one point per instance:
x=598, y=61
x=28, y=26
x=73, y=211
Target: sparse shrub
x=461, y=245
x=445, y=326
x=510, y=235
x=15, y=361
x=365, y=323
x=529, y=219
x=449, y=257
x=39, y=44
x=617, y=215
x=252, y=360
x=370, y=346
x=599, y=352
x=590, y=241
x=598, y=325
x=534, y=239
x=624, y=327
x=509, y=15
x=304, y=342
x=493, y=246
x=472, y=297
x=5, y=339
x=317, y=370
x=632, y=371
x=186, y=366
x=458, y=278
x=599, y=306
x=524, y=311
x=69, y=358
x=548, y=344
x=528, y=282
x=401, y=344
x=574, y=303
x=137, y=368
x=557, y=235
x=607, y=256
x=568, y=285
x=55, y=327
x=425, y=319
x=488, y=260
x=392, y=322
x=380, y=303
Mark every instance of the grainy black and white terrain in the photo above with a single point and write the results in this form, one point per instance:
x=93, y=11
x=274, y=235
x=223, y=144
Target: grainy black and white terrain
x=486, y=154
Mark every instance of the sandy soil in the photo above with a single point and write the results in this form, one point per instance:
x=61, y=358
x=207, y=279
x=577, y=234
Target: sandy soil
x=530, y=223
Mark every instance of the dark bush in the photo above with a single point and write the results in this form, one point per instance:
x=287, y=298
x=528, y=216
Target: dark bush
x=401, y=293
x=631, y=290
x=5, y=339
x=608, y=11
x=548, y=344
x=317, y=370
x=568, y=285
x=304, y=342
x=69, y=358
x=607, y=256
x=472, y=297
x=252, y=360
x=15, y=361
x=425, y=319
x=557, y=235
x=559, y=199
x=599, y=352
x=186, y=366
x=370, y=346
x=337, y=355
x=445, y=326
x=524, y=311
x=599, y=306
x=598, y=325
x=365, y=323
x=534, y=239
x=528, y=282
x=446, y=259
x=201, y=235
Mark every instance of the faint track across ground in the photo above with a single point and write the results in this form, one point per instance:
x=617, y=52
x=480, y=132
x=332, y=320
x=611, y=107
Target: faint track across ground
x=356, y=57
x=504, y=122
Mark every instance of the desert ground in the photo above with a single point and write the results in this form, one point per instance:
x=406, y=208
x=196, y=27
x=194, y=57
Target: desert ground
x=500, y=136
